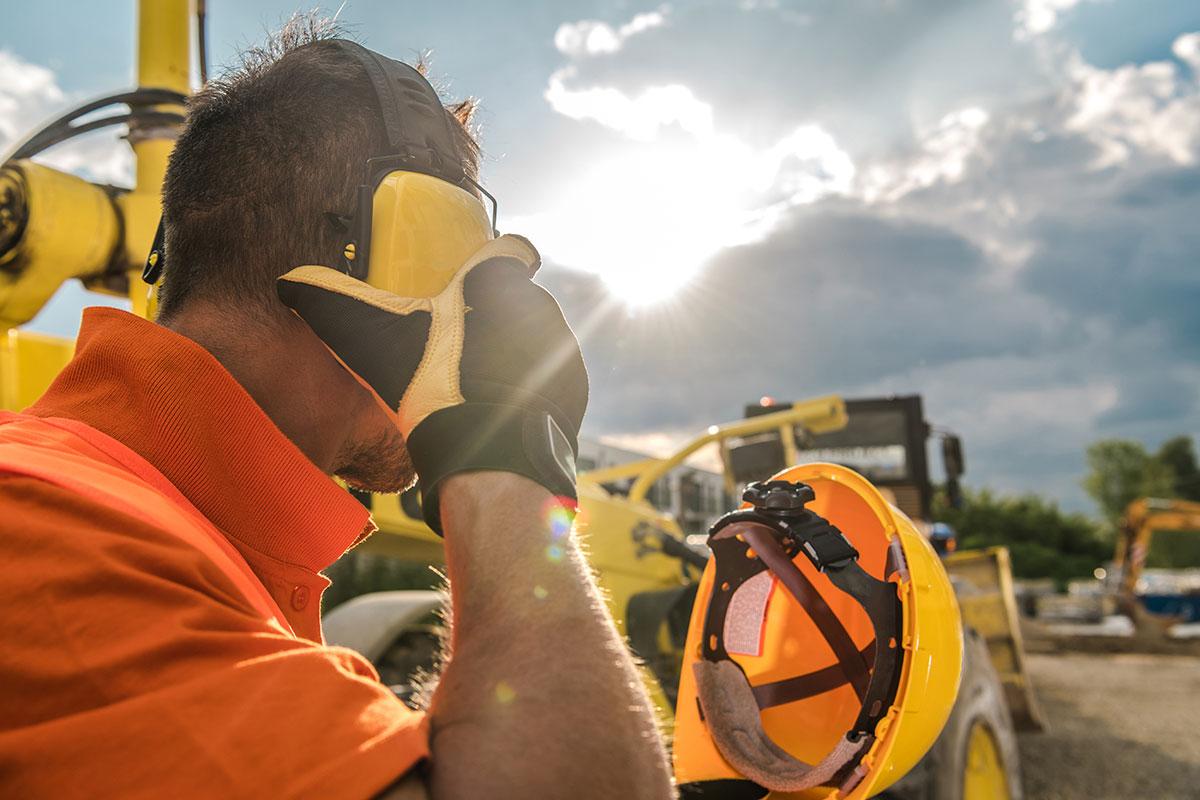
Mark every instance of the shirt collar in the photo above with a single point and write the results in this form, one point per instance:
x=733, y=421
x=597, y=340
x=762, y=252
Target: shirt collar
x=170, y=401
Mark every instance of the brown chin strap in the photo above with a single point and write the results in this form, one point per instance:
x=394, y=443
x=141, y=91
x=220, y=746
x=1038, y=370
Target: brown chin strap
x=767, y=538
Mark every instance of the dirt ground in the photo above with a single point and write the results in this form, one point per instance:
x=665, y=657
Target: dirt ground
x=1121, y=725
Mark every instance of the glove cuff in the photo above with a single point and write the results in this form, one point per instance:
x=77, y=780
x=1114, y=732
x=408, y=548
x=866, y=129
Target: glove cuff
x=490, y=437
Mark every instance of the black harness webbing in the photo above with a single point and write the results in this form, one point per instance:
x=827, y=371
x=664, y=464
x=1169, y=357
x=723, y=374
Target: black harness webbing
x=811, y=684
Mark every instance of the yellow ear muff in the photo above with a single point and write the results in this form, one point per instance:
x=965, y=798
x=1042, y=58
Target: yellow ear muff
x=422, y=230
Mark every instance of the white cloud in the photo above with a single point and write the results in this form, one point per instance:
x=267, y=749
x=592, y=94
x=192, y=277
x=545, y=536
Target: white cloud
x=640, y=117
x=637, y=117
x=942, y=157
x=1152, y=108
x=1039, y=295
x=1027, y=158
x=28, y=92
x=98, y=157
x=648, y=216
x=806, y=165
x=592, y=37
x=1037, y=17
x=30, y=96
x=1187, y=49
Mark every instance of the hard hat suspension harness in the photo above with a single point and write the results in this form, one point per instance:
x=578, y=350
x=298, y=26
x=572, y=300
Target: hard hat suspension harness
x=765, y=538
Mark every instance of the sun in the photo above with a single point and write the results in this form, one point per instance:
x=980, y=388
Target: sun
x=645, y=219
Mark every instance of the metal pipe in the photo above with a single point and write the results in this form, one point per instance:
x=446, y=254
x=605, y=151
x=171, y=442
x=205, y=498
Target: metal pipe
x=164, y=61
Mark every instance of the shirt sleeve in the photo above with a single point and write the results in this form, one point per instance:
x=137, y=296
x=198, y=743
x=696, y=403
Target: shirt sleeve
x=132, y=667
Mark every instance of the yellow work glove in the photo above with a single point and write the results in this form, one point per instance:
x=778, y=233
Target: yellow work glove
x=486, y=375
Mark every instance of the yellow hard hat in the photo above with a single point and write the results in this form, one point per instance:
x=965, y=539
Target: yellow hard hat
x=825, y=645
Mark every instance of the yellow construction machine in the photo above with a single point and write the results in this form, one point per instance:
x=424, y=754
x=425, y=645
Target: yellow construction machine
x=1162, y=534
x=55, y=227
x=886, y=439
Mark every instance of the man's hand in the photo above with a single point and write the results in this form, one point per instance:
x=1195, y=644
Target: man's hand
x=486, y=375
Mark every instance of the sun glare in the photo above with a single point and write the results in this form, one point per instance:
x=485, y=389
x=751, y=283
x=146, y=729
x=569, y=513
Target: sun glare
x=645, y=221
x=649, y=216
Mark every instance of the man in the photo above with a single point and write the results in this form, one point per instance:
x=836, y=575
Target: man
x=165, y=507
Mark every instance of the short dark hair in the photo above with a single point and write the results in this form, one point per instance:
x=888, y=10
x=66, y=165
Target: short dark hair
x=266, y=150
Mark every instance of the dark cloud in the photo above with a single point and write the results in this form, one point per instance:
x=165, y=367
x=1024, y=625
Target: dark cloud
x=1120, y=266
x=1150, y=395
x=840, y=298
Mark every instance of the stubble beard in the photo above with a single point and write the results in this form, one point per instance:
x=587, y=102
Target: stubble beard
x=380, y=465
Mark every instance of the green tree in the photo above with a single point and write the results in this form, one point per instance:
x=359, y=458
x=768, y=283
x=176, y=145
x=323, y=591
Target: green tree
x=1044, y=541
x=1179, y=456
x=1120, y=471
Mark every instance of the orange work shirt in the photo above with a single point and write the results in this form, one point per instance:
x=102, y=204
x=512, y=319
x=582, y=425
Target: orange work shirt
x=132, y=665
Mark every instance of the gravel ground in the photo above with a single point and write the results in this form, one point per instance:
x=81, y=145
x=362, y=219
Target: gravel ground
x=1121, y=725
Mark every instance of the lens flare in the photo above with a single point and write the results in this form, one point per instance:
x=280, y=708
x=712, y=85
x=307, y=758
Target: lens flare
x=505, y=694
x=559, y=515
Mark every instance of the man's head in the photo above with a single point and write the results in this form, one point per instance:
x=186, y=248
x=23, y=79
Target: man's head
x=268, y=149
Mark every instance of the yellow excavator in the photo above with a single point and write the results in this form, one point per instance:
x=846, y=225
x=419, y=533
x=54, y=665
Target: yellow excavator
x=56, y=227
x=1157, y=533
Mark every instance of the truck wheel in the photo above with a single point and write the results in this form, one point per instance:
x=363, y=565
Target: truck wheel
x=975, y=757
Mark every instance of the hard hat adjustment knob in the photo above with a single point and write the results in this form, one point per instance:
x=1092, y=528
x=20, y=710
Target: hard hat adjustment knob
x=778, y=497
x=820, y=540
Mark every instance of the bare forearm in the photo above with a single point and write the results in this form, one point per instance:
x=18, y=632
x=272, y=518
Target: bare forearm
x=540, y=697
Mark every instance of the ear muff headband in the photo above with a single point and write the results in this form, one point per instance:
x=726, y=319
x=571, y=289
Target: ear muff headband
x=417, y=127
x=731, y=706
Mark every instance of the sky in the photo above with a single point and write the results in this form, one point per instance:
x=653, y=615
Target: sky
x=992, y=203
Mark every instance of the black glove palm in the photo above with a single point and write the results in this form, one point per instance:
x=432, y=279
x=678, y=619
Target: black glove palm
x=487, y=375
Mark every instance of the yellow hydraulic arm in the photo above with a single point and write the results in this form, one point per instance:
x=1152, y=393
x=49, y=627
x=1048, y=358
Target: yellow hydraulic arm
x=55, y=226
x=819, y=415
x=1142, y=518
